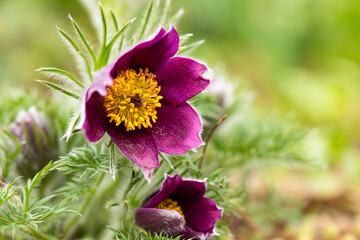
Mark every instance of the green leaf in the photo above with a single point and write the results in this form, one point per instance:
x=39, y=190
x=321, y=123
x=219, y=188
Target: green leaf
x=114, y=20
x=81, y=35
x=146, y=20
x=85, y=161
x=165, y=12
x=176, y=17
x=185, y=37
x=31, y=183
x=103, y=19
x=61, y=72
x=72, y=43
x=70, y=129
x=58, y=88
x=121, y=43
x=164, y=156
x=105, y=55
x=7, y=191
x=154, y=17
x=190, y=47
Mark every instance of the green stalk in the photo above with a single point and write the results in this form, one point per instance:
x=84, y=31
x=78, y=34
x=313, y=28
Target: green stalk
x=112, y=161
x=69, y=227
x=36, y=234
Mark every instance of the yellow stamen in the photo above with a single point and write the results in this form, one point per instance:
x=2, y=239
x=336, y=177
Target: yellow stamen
x=132, y=99
x=169, y=204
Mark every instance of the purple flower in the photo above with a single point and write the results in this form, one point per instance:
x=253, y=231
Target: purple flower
x=140, y=101
x=179, y=208
x=31, y=130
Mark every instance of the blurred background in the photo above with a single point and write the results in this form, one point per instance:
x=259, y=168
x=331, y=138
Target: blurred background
x=300, y=57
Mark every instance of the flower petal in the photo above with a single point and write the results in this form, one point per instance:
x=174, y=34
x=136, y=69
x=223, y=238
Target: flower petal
x=93, y=112
x=180, y=79
x=191, y=234
x=151, y=54
x=101, y=81
x=177, y=128
x=168, y=187
x=200, y=213
x=153, y=220
x=94, y=118
x=190, y=188
x=137, y=145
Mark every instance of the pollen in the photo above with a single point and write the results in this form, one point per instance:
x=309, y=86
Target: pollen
x=133, y=99
x=169, y=204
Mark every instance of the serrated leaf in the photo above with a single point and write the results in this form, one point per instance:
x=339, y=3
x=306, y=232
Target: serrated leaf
x=84, y=161
x=7, y=191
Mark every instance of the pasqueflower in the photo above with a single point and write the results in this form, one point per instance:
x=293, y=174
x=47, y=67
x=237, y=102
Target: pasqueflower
x=140, y=101
x=30, y=129
x=179, y=208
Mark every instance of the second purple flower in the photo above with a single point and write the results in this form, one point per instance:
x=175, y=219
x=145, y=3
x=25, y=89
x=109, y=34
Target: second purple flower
x=140, y=101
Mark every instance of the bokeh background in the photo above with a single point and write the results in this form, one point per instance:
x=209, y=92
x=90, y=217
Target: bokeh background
x=296, y=56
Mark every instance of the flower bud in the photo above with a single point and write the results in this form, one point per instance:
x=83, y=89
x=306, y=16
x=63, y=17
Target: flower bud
x=31, y=131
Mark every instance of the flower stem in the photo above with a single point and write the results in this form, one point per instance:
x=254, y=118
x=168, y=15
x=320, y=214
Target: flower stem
x=201, y=160
x=112, y=161
x=36, y=234
x=129, y=187
x=69, y=227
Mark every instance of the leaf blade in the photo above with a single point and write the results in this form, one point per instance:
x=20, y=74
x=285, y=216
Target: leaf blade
x=58, y=88
x=81, y=35
x=61, y=72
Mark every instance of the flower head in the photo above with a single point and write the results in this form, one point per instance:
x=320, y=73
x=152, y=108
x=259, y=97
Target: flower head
x=140, y=101
x=30, y=129
x=179, y=208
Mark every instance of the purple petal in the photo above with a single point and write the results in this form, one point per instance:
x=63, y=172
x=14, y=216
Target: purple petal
x=153, y=220
x=137, y=145
x=93, y=112
x=190, y=188
x=94, y=118
x=151, y=54
x=101, y=81
x=191, y=234
x=177, y=129
x=180, y=79
x=201, y=214
x=168, y=187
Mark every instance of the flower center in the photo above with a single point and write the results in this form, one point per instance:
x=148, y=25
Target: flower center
x=132, y=99
x=169, y=204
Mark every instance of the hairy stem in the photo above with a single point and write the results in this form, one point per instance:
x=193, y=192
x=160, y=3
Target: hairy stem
x=36, y=234
x=69, y=227
x=201, y=160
